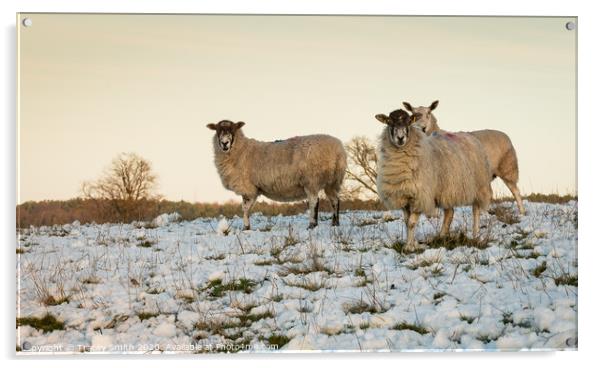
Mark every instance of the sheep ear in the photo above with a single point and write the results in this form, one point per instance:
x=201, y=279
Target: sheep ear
x=212, y=126
x=412, y=119
x=383, y=118
x=408, y=106
x=434, y=105
x=239, y=125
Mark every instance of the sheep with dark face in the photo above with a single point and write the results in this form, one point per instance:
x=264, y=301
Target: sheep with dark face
x=419, y=173
x=290, y=170
x=498, y=146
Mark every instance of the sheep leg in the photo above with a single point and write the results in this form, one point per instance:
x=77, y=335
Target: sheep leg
x=476, y=212
x=516, y=193
x=335, y=213
x=247, y=203
x=411, y=221
x=448, y=216
x=314, y=202
x=333, y=198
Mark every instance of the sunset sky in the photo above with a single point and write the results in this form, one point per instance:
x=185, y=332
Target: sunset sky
x=92, y=86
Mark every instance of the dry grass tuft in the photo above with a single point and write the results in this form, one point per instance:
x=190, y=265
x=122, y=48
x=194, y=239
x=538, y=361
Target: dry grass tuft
x=412, y=327
x=504, y=214
x=453, y=241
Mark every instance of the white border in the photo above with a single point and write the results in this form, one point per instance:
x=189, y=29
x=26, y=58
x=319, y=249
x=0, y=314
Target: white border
x=588, y=152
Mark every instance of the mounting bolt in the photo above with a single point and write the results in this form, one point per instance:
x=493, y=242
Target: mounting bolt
x=570, y=26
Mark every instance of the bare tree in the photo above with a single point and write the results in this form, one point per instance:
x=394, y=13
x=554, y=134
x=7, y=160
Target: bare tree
x=361, y=169
x=127, y=182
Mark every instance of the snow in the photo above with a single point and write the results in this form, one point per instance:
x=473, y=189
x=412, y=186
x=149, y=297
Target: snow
x=223, y=227
x=101, y=341
x=165, y=329
x=544, y=318
x=166, y=219
x=188, y=318
x=207, y=283
x=388, y=216
x=216, y=275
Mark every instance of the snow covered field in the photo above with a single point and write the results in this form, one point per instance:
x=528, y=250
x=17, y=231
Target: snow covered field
x=206, y=286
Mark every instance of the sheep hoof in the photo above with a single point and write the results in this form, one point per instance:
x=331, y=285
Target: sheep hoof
x=409, y=249
x=311, y=226
x=247, y=227
x=335, y=222
x=414, y=247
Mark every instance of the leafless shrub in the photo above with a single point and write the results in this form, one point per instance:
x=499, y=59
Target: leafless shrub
x=125, y=184
x=361, y=169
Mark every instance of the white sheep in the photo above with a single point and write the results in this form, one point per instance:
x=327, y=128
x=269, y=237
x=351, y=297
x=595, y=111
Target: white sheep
x=288, y=170
x=420, y=173
x=498, y=146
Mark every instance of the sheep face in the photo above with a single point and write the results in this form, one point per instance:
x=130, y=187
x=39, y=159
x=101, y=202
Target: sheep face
x=425, y=119
x=225, y=132
x=398, y=126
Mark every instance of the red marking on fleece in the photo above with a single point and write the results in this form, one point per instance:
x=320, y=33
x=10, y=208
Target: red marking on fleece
x=452, y=136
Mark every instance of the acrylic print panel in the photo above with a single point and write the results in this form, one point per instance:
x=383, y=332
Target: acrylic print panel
x=133, y=165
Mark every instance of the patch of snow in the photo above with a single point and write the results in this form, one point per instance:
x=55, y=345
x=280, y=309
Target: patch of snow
x=544, y=318
x=139, y=233
x=166, y=218
x=441, y=340
x=188, y=318
x=388, y=216
x=101, y=341
x=223, y=226
x=165, y=329
x=216, y=275
x=300, y=343
x=299, y=284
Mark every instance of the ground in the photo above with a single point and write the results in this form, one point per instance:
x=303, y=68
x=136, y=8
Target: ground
x=207, y=286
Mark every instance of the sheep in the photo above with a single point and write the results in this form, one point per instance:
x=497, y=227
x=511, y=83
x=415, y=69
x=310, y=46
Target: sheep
x=420, y=173
x=498, y=146
x=287, y=170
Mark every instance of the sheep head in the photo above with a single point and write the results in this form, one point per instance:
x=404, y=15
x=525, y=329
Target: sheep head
x=398, y=126
x=424, y=116
x=225, y=132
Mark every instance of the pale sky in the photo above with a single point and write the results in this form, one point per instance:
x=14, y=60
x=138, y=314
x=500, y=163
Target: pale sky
x=91, y=86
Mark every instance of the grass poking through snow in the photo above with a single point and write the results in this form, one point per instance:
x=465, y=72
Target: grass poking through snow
x=278, y=340
x=566, y=279
x=540, y=269
x=412, y=327
x=217, y=289
x=504, y=214
x=456, y=240
x=48, y=323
